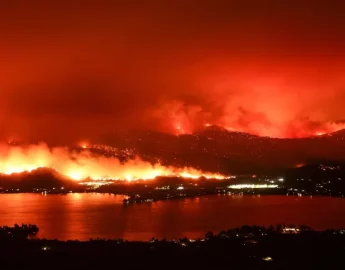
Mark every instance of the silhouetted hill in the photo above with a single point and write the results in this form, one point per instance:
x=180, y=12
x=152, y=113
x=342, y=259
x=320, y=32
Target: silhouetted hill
x=327, y=178
x=40, y=178
x=217, y=149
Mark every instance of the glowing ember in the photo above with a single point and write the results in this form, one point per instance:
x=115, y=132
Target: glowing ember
x=84, y=145
x=84, y=165
x=300, y=165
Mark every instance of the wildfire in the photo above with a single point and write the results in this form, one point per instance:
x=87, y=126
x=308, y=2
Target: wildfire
x=301, y=130
x=79, y=166
x=180, y=118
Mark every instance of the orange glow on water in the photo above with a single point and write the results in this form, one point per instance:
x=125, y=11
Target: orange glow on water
x=85, y=165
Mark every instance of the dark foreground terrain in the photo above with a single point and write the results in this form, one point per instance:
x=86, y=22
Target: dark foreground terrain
x=242, y=248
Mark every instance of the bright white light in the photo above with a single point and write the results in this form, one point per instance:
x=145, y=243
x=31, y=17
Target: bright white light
x=242, y=186
x=281, y=179
x=180, y=188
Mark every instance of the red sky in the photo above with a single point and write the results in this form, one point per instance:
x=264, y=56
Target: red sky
x=72, y=70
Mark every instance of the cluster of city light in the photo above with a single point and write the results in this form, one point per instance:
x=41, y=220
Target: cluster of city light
x=245, y=186
x=95, y=184
x=85, y=165
x=291, y=230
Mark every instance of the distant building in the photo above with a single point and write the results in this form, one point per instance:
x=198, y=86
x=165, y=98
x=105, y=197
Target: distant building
x=288, y=230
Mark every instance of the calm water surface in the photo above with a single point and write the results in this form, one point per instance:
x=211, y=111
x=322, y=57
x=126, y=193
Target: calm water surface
x=84, y=216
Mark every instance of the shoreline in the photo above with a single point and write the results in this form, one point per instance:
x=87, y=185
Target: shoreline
x=230, y=192
x=144, y=199
x=243, y=232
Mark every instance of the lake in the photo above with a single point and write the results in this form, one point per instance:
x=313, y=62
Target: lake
x=91, y=215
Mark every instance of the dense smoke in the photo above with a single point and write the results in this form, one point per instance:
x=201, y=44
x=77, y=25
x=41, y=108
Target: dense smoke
x=78, y=69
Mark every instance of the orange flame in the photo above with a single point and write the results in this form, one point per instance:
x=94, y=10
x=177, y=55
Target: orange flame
x=84, y=165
